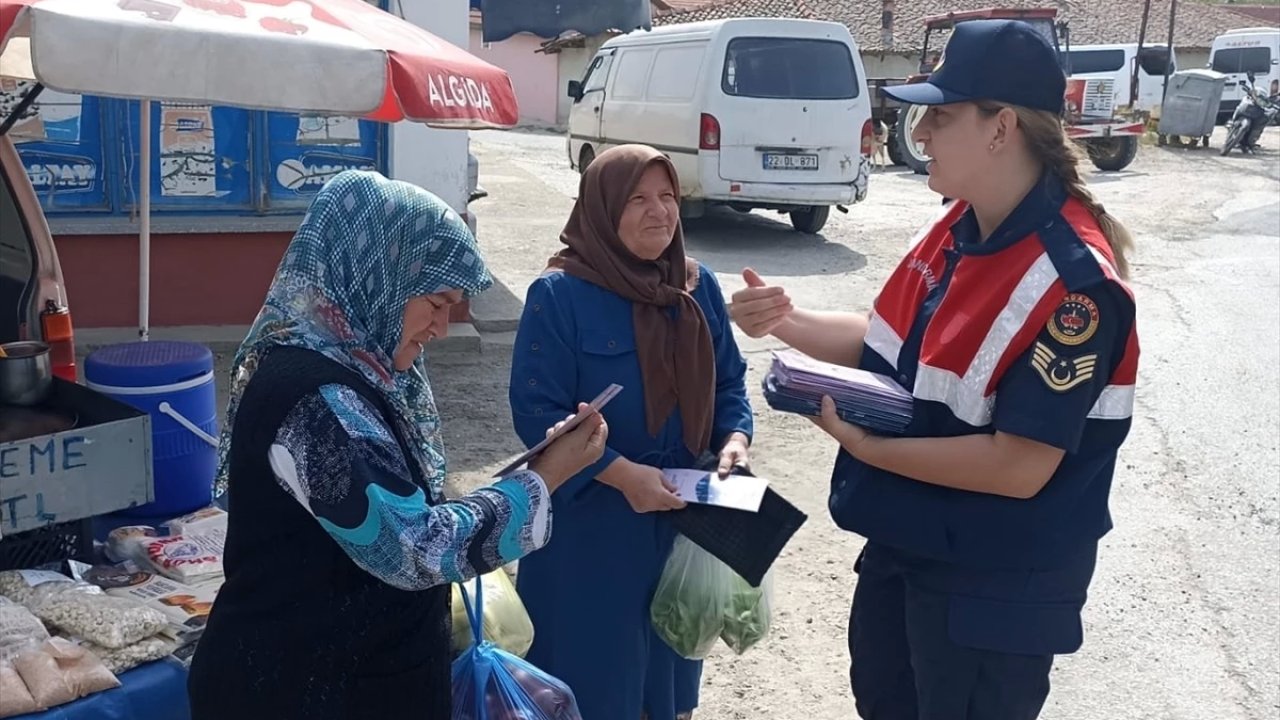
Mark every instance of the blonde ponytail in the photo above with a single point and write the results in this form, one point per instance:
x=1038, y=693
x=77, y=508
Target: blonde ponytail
x=1048, y=142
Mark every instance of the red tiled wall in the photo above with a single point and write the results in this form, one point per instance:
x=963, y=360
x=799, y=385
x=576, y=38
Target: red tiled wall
x=214, y=279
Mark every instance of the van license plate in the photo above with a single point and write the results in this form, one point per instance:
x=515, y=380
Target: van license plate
x=790, y=162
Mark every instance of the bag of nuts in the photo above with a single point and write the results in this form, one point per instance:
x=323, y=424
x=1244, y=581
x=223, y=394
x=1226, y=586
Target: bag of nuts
x=82, y=609
x=131, y=656
x=112, y=622
x=23, y=586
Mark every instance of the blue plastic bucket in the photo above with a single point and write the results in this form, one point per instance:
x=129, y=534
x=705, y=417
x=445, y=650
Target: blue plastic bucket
x=173, y=383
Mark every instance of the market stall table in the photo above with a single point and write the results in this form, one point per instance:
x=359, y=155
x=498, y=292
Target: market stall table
x=155, y=691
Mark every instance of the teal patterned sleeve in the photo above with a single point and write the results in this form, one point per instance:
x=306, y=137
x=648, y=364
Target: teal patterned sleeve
x=335, y=455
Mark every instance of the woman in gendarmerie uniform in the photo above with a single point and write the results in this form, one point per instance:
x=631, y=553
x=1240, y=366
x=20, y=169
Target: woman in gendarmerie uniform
x=1011, y=323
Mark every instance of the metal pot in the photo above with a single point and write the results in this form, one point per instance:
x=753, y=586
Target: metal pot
x=26, y=374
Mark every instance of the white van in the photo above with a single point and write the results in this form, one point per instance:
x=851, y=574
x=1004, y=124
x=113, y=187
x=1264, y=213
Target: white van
x=1118, y=62
x=1236, y=53
x=754, y=113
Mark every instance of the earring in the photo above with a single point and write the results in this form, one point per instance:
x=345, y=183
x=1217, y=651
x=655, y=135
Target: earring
x=992, y=147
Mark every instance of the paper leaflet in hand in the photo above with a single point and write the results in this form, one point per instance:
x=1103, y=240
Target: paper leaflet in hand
x=601, y=400
x=796, y=383
x=708, y=488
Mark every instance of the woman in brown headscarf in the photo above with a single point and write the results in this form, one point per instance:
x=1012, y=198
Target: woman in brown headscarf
x=621, y=303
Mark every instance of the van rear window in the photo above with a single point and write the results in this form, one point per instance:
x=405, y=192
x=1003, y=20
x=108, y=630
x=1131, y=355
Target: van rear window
x=1256, y=60
x=1095, y=61
x=789, y=68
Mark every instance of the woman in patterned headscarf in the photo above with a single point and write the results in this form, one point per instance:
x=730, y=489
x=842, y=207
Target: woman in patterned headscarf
x=340, y=545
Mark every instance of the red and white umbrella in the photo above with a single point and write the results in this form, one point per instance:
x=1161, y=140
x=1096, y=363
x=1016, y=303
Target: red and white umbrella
x=324, y=57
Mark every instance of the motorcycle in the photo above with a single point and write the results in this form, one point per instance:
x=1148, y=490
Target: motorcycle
x=1254, y=113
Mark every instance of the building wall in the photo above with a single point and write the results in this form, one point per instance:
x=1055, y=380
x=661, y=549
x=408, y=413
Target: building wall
x=890, y=66
x=534, y=74
x=196, y=279
x=1189, y=59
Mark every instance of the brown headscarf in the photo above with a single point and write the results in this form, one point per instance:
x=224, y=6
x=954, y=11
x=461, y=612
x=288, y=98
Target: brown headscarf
x=596, y=254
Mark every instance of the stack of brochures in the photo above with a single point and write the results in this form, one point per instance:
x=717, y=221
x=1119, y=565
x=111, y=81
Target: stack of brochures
x=796, y=383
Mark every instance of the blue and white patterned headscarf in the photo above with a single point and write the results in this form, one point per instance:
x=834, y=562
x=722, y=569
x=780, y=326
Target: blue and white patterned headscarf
x=366, y=245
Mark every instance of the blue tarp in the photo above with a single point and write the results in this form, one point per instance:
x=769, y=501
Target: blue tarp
x=549, y=18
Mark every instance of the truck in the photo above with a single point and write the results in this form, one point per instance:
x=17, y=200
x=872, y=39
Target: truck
x=1109, y=134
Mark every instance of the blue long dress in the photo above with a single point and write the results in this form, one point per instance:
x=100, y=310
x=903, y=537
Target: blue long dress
x=588, y=590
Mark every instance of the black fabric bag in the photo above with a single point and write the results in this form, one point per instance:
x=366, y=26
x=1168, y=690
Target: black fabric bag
x=748, y=542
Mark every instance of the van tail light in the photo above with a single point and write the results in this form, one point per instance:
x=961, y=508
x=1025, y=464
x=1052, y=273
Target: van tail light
x=708, y=133
x=868, y=135
x=55, y=325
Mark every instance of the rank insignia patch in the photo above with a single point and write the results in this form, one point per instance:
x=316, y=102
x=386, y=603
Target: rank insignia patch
x=1062, y=373
x=1074, y=321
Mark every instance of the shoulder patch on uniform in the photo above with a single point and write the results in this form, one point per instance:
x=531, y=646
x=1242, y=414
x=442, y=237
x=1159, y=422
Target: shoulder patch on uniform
x=1062, y=373
x=1074, y=321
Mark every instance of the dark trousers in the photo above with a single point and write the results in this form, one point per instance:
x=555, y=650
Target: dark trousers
x=906, y=665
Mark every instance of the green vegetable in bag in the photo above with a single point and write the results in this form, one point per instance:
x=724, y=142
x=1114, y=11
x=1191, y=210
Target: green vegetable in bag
x=688, y=607
x=747, y=616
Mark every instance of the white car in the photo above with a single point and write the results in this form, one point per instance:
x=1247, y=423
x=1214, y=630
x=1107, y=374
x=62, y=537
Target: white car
x=754, y=113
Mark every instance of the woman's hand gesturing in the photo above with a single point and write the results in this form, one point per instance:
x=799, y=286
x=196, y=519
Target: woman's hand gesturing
x=758, y=309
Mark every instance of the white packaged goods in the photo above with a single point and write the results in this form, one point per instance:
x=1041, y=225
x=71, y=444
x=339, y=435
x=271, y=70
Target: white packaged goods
x=200, y=522
x=123, y=542
x=187, y=559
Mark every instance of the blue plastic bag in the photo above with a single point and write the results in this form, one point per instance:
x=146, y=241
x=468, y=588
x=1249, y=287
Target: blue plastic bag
x=492, y=684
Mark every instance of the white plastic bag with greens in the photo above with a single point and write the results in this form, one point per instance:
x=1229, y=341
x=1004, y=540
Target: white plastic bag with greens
x=700, y=599
x=506, y=621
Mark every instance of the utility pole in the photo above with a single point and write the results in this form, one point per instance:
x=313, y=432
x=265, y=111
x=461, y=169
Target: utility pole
x=1142, y=39
x=1173, y=13
x=886, y=24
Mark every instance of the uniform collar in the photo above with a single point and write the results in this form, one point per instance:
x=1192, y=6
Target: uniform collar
x=1042, y=203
